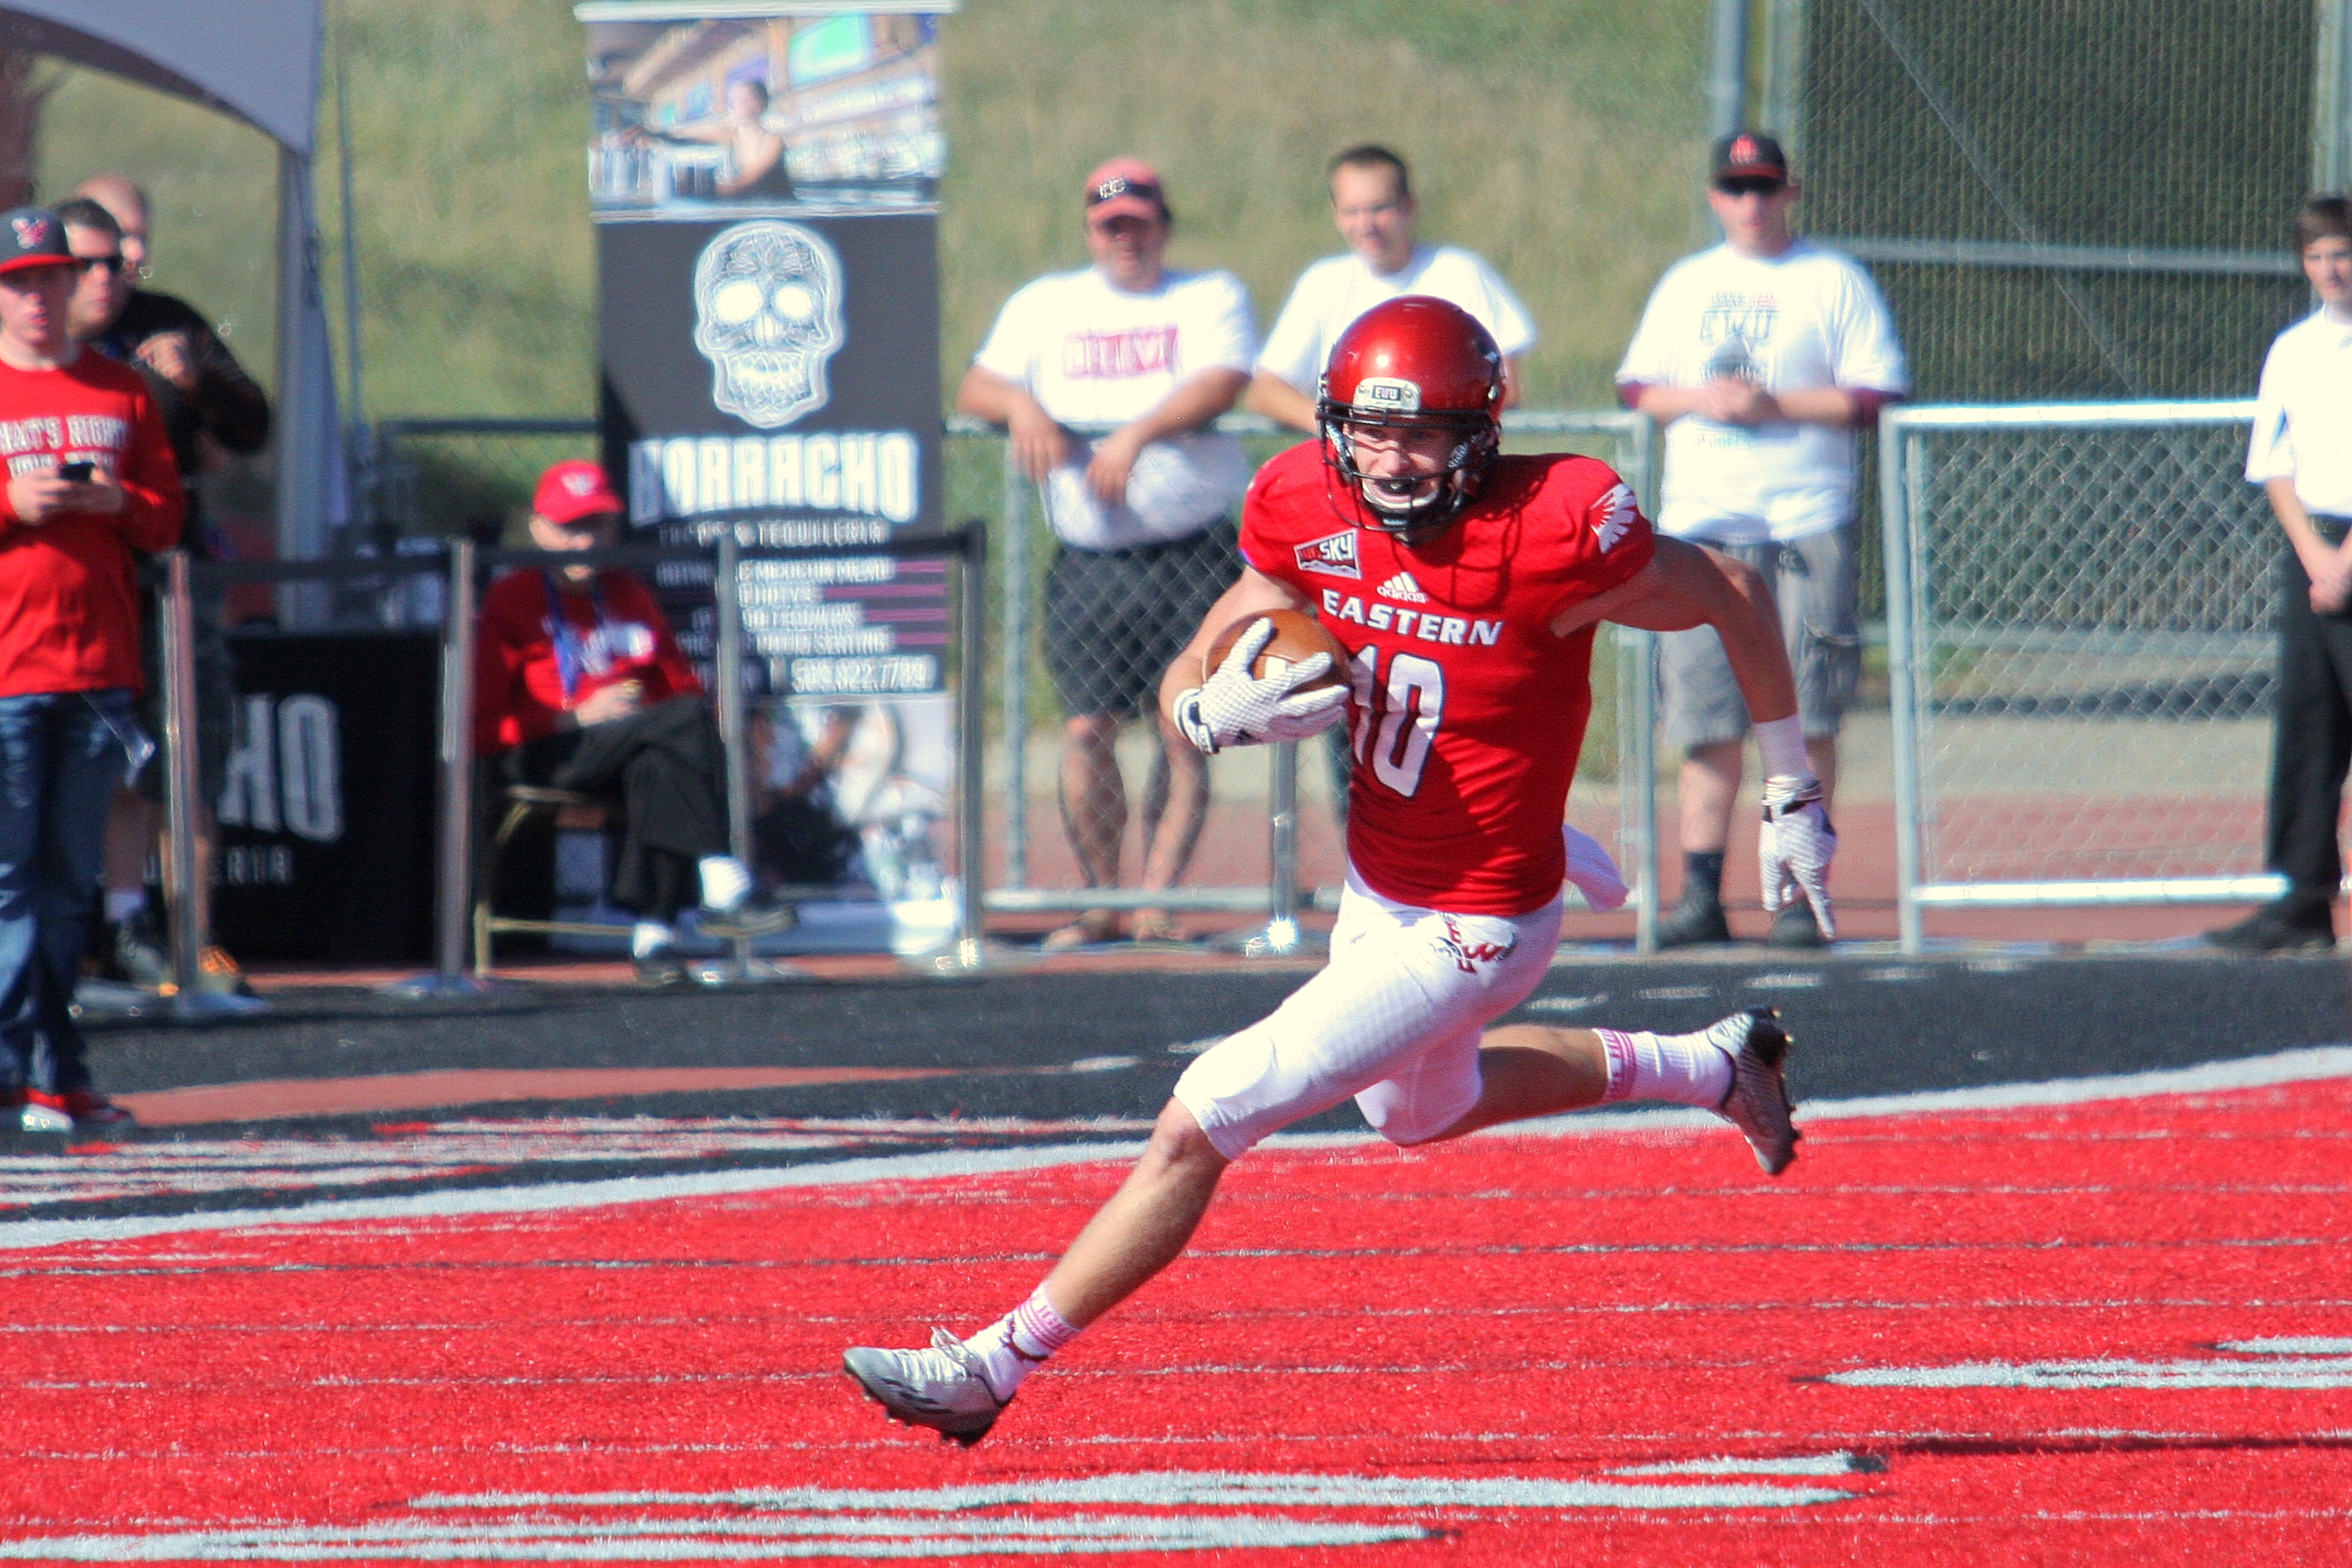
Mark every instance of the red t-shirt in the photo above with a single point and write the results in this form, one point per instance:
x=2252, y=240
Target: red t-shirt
x=1468, y=714
x=521, y=669
x=68, y=603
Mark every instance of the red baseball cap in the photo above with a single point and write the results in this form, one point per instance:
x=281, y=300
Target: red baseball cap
x=1124, y=187
x=572, y=491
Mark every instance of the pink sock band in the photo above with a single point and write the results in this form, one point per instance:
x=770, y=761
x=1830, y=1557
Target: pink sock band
x=1038, y=1328
x=1622, y=1067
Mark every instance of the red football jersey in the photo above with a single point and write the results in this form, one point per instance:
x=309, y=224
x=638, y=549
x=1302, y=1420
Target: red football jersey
x=1468, y=712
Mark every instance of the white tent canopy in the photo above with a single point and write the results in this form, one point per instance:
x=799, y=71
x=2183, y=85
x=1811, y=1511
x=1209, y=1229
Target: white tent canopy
x=257, y=60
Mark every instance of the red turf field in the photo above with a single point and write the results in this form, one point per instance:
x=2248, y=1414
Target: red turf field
x=2114, y=1332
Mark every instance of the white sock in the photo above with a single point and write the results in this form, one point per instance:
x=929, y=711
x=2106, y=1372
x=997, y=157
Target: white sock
x=1019, y=1342
x=123, y=904
x=646, y=936
x=1689, y=1070
x=725, y=881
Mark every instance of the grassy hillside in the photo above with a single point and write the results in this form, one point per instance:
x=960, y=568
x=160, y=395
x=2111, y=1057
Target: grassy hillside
x=1561, y=140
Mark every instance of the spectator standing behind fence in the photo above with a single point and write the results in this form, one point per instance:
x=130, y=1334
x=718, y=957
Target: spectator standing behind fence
x=2300, y=455
x=209, y=406
x=1144, y=514
x=1373, y=206
x=91, y=478
x=1761, y=357
x=579, y=685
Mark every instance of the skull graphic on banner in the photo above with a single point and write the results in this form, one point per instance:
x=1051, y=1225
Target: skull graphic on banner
x=767, y=309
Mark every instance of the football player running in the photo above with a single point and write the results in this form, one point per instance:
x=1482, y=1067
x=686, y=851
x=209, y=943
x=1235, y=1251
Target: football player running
x=1466, y=586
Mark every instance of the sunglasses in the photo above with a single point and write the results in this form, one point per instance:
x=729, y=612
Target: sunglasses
x=1751, y=185
x=110, y=264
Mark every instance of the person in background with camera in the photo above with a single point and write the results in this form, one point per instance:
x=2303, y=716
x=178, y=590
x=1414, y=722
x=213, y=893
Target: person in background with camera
x=1144, y=514
x=210, y=406
x=580, y=685
x=90, y=479
x=1760, y=357
x=2300, y=455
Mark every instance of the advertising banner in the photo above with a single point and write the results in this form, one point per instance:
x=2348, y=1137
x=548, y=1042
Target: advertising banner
x=763, y=179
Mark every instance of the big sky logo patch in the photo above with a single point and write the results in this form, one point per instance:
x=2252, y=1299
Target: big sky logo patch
x=1334, y=555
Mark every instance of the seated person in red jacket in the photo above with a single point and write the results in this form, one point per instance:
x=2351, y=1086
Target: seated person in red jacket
x=578, y=684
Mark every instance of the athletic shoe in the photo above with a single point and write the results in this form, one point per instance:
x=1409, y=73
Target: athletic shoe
x=942, y=1388
x=2280, y=927
x=1758, y=1101
x=1693, y=921
x=135, y=956
x=219, y=973
x=1794, y=926
x=46, y=1113
x=751, y=917
x=661, y=969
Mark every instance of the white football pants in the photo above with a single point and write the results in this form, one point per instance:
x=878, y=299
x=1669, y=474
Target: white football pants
x=1393, y=1020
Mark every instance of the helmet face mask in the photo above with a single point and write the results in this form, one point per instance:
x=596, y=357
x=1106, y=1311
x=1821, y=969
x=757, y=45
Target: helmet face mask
x=1428, y=379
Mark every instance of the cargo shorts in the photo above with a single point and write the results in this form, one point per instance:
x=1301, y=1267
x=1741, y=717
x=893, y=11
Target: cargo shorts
x=1813, y=580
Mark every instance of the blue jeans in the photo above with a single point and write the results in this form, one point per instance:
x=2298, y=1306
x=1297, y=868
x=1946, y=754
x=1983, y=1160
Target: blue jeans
x=62, y=757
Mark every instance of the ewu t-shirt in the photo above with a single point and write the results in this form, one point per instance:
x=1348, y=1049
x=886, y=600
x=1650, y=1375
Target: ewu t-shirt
x=1801, y=320
x=1093, y=354
x=1332, y=292
x=69, y=607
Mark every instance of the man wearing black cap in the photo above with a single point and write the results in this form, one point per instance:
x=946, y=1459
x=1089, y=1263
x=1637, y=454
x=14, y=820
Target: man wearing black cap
x=1761, y=357
x=91, y=478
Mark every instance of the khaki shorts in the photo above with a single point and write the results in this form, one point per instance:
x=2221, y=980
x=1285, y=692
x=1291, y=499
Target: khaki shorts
x=1813, y=580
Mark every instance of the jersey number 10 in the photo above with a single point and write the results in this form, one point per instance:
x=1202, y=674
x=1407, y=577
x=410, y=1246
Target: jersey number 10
x=1397, y=724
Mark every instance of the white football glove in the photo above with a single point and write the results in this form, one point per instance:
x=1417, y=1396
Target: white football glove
x=1798, y=843
x=1235, y=708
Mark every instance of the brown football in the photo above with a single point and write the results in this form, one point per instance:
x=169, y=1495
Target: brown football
x=1296, y=635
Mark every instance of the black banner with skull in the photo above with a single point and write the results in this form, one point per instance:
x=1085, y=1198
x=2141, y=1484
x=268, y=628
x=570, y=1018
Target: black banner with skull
x=764, y=194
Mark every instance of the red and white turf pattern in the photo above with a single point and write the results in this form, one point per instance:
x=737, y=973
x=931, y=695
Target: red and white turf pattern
x=2087, y=1329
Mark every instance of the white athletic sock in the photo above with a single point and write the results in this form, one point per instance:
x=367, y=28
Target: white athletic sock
x=1019, y=1342
x=725, y=881
x=1689, y=1070
x=123, y=904
x=646, y=936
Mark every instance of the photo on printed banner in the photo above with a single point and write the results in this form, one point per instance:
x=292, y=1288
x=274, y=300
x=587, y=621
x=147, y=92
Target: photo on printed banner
x=697, y=117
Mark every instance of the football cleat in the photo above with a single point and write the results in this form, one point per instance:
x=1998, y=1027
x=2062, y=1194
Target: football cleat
x=1758, y=1101
x=942, y=1388
x=46, y=1113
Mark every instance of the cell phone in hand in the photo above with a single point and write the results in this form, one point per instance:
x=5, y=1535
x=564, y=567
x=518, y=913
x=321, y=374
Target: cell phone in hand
x=78, y=473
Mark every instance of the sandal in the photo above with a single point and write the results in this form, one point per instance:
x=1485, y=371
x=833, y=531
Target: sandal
x=1091, y=929
x=1154, y=928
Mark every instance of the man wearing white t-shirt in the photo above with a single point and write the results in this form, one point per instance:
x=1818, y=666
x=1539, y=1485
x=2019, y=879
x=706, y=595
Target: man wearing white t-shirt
x=1107, y=379
x=1761, y=357
x=2300, y=455
x=1372, y=203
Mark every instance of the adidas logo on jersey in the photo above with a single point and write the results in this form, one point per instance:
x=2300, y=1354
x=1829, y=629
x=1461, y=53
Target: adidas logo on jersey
x=1617, y=511
x=1403, y=590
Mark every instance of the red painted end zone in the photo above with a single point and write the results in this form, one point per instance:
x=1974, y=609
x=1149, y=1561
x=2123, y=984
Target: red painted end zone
x=2118, y=1332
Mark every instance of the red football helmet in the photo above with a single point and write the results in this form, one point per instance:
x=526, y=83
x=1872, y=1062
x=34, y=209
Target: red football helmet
x=1414, y=363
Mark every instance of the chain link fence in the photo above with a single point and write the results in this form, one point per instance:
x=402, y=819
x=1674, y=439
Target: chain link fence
x=2063, y=201
x=2080, y=601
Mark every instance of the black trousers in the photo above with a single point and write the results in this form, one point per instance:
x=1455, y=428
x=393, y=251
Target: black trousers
x=2311, y=750
x=663, y=766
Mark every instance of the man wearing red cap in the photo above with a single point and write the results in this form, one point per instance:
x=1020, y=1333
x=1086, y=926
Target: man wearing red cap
x=1143, y=513
x=91, y=478
x=578, y=684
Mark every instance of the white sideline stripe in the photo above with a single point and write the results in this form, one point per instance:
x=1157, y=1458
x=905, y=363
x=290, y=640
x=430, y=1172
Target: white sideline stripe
x=2306, y=1065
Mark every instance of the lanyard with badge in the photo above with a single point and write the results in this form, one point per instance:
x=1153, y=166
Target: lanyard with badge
x=572, y=654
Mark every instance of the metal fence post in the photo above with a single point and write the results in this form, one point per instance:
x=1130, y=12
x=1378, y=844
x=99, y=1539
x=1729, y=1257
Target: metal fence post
x=1898, y=456
x=189, y=1000
x=1015, y=654
x=454, y=892
x=733, y=716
